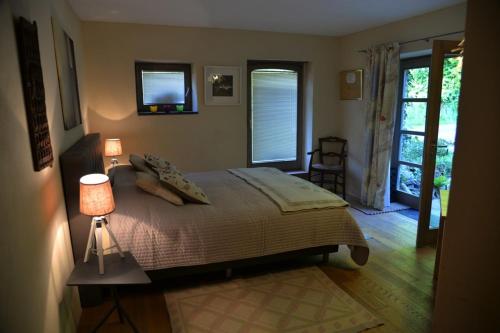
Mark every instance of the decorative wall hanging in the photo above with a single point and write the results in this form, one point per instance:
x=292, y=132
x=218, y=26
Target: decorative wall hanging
x=66, y=71
x=222, y=85
x=351, y=84
x=34, y=93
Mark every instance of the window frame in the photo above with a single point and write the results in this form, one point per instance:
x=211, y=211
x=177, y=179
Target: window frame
x=298, y=67
x=166, y=108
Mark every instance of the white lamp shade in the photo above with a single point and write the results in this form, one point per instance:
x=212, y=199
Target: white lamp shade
x=113, y=147
x=96, y=195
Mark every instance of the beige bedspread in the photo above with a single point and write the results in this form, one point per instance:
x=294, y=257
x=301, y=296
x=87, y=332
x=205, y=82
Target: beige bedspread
x=291, y=194
x=241, y=222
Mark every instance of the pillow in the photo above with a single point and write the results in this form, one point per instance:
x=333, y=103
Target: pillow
x=185, y=188
x=152, y=185
x=156, y=162
x=140, y=165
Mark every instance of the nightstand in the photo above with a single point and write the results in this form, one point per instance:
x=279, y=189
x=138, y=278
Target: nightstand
x=119, y=272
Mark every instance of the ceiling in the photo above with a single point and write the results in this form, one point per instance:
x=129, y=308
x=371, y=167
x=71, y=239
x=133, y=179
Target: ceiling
x=318, y=17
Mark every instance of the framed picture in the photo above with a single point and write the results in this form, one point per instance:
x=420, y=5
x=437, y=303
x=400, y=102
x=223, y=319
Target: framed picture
x=351, y=84
x=222, y=85
x=66, y=72
x=34, y=93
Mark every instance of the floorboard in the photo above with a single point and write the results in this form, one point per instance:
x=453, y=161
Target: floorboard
x=395, y=284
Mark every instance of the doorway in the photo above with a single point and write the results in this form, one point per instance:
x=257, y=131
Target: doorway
x=424, y=136
x=409, y=132
x=444, y=93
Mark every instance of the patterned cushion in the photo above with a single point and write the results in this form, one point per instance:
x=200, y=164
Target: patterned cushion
x=157, y=162
x=152, y=185
x=185, y=188
x=139, y=164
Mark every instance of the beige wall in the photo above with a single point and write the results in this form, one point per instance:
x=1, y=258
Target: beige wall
x=34, y=242
x=216, y=137
x=350, y=121
x=468, y=292
x=35, y=250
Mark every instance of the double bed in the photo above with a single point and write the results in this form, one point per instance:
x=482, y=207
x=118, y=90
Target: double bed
x=241, y=226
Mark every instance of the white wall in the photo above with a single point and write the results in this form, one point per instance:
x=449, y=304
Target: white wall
x=35, y=249
x=350, y=115
x=216, y=138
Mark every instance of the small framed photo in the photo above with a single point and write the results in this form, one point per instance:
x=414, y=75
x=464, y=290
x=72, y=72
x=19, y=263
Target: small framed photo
x=351, y=84
x=222, y=85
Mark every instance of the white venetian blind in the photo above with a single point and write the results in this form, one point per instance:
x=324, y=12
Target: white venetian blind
x=274, y=115
x=162, y=88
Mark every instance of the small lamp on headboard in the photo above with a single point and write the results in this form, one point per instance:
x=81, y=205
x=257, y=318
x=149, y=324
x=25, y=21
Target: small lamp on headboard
x=96, y=200
x=113, y=148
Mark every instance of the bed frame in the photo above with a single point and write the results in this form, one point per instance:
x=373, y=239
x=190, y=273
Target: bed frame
x=85, y=157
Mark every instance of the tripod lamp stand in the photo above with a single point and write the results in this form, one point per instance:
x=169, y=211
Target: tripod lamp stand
x=96, y=200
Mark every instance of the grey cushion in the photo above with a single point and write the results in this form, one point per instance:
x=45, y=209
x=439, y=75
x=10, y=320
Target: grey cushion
x=153, y=185
x=157, y=162
x=139, y=164
x=175, y=181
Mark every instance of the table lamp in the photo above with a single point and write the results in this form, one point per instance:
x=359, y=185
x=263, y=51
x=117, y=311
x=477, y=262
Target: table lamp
x=96, y=200
x=113, y=148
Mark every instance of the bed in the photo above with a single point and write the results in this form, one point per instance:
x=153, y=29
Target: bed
x=241, y=226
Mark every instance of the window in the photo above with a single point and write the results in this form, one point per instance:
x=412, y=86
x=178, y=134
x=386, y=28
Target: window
x=163, y=88
x=275, y=114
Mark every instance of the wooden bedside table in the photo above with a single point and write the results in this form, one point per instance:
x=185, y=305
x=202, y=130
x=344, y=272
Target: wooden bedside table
x=119, y=271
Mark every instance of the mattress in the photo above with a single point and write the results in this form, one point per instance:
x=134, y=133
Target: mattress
x=241, y=223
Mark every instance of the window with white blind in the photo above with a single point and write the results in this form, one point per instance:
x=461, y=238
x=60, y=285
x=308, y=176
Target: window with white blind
x=275, y=104
x=163, y=88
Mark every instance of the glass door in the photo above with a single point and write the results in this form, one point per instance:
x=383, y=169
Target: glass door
x=409, y=132
x=444, y=93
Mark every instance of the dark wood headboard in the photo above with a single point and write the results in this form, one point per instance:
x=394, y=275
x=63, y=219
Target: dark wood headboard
x=82, y=158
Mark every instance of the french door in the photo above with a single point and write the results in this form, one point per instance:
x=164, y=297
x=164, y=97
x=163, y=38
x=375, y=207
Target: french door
x=424, y=135
x=439, y=145
x=410, y=131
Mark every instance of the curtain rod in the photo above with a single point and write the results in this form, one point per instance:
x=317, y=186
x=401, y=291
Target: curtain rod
x=424, y=38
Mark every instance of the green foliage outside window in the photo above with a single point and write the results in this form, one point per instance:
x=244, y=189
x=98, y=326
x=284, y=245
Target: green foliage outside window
x=413, y=118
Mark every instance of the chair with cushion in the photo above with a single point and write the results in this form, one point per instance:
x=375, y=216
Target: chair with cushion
x=331, y=160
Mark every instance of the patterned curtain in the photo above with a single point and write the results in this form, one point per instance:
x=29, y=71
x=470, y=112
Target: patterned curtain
x=383, y=71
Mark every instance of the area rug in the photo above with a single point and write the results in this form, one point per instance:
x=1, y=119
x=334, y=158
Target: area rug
x=411, y=213
x=301, y=300
x=394, y=207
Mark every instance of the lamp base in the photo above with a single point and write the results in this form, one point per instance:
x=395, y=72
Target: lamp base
x=94, y=245
x=114, y=162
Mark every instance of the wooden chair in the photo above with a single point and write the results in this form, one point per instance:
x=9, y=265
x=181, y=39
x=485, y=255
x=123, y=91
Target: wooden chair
x=330, y=162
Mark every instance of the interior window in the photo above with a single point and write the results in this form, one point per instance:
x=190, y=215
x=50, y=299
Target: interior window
x=163, y=88
x=275, y=116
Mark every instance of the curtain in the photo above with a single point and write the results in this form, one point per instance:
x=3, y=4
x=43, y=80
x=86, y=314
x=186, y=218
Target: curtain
x=383, y=72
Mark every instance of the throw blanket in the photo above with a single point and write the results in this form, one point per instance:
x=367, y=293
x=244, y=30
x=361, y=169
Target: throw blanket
x=290, y=193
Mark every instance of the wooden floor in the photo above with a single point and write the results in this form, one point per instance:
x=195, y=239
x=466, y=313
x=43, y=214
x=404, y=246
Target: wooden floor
x=395, y=284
